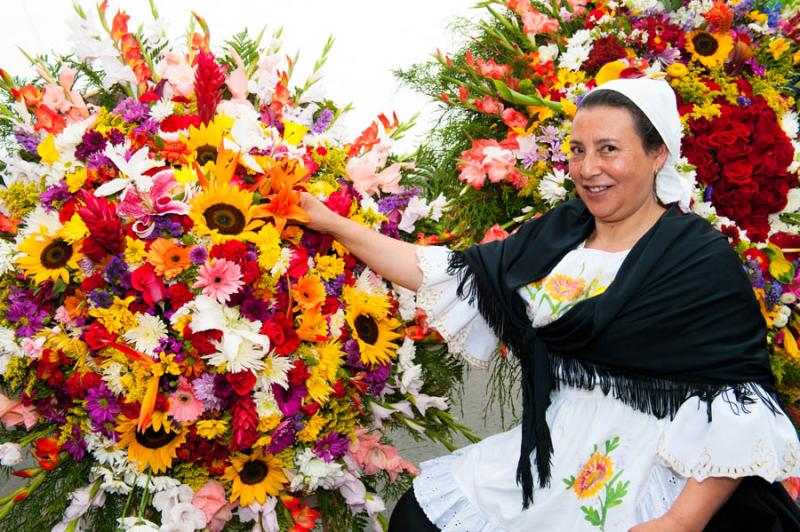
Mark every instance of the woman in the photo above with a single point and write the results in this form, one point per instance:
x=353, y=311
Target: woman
x=647, y=393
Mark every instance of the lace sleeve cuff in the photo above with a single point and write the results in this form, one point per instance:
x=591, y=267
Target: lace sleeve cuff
x=741, y=440
x=459, y=323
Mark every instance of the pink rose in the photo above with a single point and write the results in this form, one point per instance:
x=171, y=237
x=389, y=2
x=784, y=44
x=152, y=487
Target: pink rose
x=13, y=413
x=211, y=500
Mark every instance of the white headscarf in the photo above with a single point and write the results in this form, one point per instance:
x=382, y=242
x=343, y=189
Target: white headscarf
x=656, y=100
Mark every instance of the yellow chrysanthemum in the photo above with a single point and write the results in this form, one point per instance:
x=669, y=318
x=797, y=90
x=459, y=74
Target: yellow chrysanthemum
x=593, y=476
x=211, y=428
x=677, y=70
x=368, y=317
x=48, y=257
x=225, y=213
x=329, y=266
x=204, y=142
x=154, y=447
x=268, y=242
x=711, y=49
x=255, y=477
x=135, y=251
x=74, y=229
x=312, y=429
x=76, y=179
x=116, y=318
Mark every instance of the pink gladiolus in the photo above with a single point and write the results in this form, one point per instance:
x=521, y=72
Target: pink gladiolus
x=62, y=99
x=211, y=499
x=373, y=456
x=13, y=413
x=367, y=180
x=145, y=280
x=488, y=105
x=534, y=23
x=488, y=158
x=237, y=80
x=495, y=232
x=183, y=405
x=177, y=70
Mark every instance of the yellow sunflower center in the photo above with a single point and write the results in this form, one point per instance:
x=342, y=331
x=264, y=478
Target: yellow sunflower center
x=253, y=472
x=56, y=254
x=366, y=328
x=206, y=154
x=154, y=439
x=705, y=44
x=225, y=218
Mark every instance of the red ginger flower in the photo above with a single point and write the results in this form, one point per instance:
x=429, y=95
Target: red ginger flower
x=105, y=229
x=244, y=423
x=209, y=80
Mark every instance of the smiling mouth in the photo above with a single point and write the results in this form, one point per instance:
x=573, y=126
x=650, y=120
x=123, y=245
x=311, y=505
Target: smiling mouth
x=598, y=189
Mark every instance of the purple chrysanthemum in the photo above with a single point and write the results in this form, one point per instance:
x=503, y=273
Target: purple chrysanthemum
x=28, y=316
x=376, y=378
x=332, y=446
x=115, y=137
x=282, y=436
x=92, y=143
x=132, y=110
x=101, y=405
x=198, y=255
x=203, y=387
x=56, y=194
x=75, y=445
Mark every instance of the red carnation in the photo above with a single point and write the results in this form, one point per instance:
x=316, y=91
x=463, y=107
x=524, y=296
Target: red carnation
x=179, y=294
x=604, y=50
x=178, y=122
x=244, y=432
x=232, y=250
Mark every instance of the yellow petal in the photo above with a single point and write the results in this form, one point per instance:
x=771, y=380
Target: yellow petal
x=610, y=71
x=293, y=132
x=789, y=343
x=47, y=150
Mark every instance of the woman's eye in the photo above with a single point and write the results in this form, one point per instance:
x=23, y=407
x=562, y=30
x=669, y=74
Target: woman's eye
x=609, y=149
x=575, y=150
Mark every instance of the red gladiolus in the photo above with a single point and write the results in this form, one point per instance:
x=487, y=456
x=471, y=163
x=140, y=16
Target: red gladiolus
x=46, y=450
x=105, y=228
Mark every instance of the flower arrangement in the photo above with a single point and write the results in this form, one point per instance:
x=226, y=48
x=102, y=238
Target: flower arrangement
x=509, y=93
x=176, y=351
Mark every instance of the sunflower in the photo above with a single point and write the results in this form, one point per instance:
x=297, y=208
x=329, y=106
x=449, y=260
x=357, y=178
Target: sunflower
x=155, y=447
x=254, y=477
x=47, y=257
x=368, y=317
x=204, y=142
x=225, y=212
x=593, y=476
x=711, y=49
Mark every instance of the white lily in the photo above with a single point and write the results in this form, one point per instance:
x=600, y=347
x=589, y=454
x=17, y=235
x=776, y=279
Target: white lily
x=132, y=169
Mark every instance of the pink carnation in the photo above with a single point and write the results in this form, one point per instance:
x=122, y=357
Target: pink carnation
x=219, y=280
x=13, y=413
x=210, y=498
x=184, y=406
x=373, y=456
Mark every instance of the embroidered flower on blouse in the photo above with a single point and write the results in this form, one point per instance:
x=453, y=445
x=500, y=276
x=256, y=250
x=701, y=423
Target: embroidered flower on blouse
x=594, y=475
x=564, y=288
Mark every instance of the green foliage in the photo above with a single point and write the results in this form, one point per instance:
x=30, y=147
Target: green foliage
x=336, y=515
x=246, y=47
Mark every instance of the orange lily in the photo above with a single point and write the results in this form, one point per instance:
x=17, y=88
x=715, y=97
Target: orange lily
x=284, y=201
x=151, y=393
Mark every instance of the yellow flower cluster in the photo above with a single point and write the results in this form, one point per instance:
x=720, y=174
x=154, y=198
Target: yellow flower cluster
x=332, y=164
x=21, y=197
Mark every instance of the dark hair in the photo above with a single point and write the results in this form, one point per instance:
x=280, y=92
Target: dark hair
x=645, y=130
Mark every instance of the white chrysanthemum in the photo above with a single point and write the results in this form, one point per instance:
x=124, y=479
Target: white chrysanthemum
x=161, y=110
x=371, y=282
x=104, y=450
x=408, y=303
x=39, y=221
x=336, y=321
x=266, y=405
x=314, y=473
x=239, y=355
x=551, y=187
x=795, y=166
x=548, y=52
x=111, y=482
x=8, y=344
x=282, y=264
x=70, y=137
x=790, y=124
x=275, y=371
x=580, y=38
x=574, y=57
x=147, y=335
x=112, y=376
x=10, y=454
x=792, y=201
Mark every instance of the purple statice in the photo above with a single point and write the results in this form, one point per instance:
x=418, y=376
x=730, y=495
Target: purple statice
x=166, y=227
x=772, y=294
x=550, y=135
x=27, y=141
x=742, y=8
x=132, y=110
x=203, y=387
x=332, y=446
x=117, y=274
x=97, y=160
x=396, y=202
x=753, y=270
x=56, y=194
x=376, y=378
x=148, y=128
x=353, y=353
x=101, y=298
x=115, y=137
x=282, y=436
x=92, y=142
x=75, y=445
x=198, y=255
x=323, y=121
x=743, y=101
x=101, y=405
x=708, y=193
x=334, y=287
x=289, y=401
x=28, y=316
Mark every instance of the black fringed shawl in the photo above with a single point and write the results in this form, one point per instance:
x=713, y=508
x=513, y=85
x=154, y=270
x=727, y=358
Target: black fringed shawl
x=679, y=320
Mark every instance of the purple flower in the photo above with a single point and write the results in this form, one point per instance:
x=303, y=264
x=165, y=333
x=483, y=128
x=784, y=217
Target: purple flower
x=708, y=193
x=282, y=436
x=772, y=294
x=254, y=309
x=758, y=70
x=100, y=298
x=97, y=160
x=289, y=401
x=204, y=390
x=28, y=141
x=198, y=255
x=334, y=287
x=323, y=121
x=92, y=142
x=75, y=445
x=166, y=227
x=331, y=446
x=57, y=193
x=115, y=137
x=149, y=128
x=132, y=110
x=396, y=201
x=376, y=378
x=27, y=315
x=101, y=405
x=117, y=274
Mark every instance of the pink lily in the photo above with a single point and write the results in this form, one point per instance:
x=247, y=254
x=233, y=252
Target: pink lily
x=237, y=80
x=157, y=201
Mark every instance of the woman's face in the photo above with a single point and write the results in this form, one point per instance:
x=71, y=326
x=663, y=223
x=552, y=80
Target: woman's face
x=612, y=171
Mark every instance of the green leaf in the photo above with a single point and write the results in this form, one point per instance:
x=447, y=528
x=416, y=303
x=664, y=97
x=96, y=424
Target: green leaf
x=569, y=481
x=510, y=95
x=591, y=515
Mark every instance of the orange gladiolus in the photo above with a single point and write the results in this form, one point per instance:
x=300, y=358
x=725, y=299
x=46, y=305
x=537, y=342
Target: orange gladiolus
x=303, y=515
x=47, y=453
x=49, y=120
x=167, y=258
x=30, y=94
x=367, y=139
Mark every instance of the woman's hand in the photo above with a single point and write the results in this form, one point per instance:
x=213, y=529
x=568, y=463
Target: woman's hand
x=665, y=523
x=323, y=219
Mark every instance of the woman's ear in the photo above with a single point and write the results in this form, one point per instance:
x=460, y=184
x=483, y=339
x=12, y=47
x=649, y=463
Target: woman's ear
x=660, y=158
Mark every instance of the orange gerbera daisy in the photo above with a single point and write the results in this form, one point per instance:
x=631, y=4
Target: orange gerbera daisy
x=594, y=475
x=309, y=291
x=168, y=258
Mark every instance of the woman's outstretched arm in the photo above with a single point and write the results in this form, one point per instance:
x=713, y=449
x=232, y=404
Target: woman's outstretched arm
x=392, y=259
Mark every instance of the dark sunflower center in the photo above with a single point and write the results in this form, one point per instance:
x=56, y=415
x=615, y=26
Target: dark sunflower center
x=254, y=472
x=225, y=218
x=206, y=154
x=367, y=328
x=56, y=254
x=154, y=439
x=705, y=44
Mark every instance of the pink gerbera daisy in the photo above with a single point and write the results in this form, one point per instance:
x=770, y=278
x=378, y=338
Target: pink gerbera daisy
x=219, y=279
x=183, y=405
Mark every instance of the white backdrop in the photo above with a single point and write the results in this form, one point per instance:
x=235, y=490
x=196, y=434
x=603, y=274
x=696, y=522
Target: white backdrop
x=372, y=38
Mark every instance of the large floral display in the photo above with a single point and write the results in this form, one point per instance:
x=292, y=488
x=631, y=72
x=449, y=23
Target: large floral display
x=509, y=94
x=176, y=351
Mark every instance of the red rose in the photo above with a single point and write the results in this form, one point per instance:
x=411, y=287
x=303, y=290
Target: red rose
x=282, y=334
x=97, y=336
x=145, y=280
x=92, y=282
x=299, y=374
x=241, y=382
x=232, y=250
x=340, y=202
x=738, y=172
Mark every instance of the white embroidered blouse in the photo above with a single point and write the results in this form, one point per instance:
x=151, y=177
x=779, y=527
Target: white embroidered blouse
x=613, y=466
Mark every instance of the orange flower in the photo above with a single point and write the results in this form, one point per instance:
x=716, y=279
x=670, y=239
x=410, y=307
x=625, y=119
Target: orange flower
x=49, y=120
x=75, y=305
x=309, y=292
x=719, y=17
x=313, y=326
x=594, y=475
x=284, y=201
x=303, y=515
x=167, y=258
x=564, y=288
